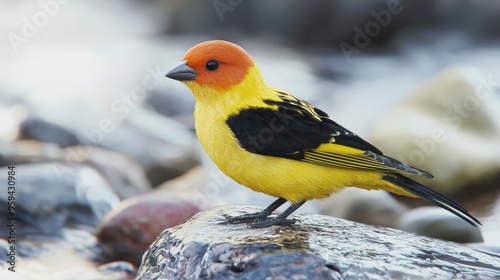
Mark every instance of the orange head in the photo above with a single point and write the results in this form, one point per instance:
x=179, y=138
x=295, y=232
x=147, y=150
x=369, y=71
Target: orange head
x=216, y=64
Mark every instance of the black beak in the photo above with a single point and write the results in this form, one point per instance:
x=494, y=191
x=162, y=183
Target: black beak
x=182, y=72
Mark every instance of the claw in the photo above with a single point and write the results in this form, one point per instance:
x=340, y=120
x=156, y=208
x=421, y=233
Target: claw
x=273, y=222
x=259, y=219
x=254, y=217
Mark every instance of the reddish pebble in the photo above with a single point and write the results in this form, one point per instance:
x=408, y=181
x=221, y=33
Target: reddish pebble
x=129, y=229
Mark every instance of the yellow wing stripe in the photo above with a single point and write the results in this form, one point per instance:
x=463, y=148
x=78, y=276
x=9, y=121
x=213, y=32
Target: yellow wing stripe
x=361, y=159
x=346, y=161
x=336, y=164
x=347, y=164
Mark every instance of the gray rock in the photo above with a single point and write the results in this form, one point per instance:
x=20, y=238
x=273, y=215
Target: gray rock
x=438, y=223
x=52, y=195
x=318, y=248
x=125, y=175
x=449, y=127
x=368, y=207
x=43, y=130
x=162, y=146
x=28, y=151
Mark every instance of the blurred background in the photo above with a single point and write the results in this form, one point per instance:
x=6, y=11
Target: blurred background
x=104, y=145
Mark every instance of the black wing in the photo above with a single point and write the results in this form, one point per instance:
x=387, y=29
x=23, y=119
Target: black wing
x=289, y=129
x=292, y=128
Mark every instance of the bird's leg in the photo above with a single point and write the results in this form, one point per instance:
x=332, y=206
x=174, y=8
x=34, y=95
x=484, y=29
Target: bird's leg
x=280, y=220
x=257, y=216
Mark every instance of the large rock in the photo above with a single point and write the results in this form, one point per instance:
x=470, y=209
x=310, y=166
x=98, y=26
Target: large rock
x=449, y=127
x=128, y=230
x=125, y=175
x=52, y=195
x=57, y=209
x=318, y=248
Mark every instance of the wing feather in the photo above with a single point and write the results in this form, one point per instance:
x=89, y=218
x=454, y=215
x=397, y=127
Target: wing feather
x=299, y=131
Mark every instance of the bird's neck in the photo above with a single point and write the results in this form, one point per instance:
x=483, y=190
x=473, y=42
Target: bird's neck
x=231, y=99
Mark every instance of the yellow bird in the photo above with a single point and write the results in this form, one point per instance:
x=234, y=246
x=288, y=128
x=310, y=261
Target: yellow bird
x=275, y=143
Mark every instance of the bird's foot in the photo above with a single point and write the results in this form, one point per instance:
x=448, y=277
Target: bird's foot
x=247, y=218
x=277, y=221
x=260, y=220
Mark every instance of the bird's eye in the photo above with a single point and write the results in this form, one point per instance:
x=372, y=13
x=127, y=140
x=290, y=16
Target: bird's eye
x=212, y=65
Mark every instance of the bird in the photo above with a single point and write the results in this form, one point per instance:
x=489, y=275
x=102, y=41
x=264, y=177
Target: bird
x=273, y=142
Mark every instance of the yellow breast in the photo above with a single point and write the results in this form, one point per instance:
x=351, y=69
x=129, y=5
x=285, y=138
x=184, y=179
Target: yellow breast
x=280, y=177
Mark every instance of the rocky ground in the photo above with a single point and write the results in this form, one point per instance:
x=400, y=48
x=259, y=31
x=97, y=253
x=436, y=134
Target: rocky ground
x=319, y=247
x=106, y=158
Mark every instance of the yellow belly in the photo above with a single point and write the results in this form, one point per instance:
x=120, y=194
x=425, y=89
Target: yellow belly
x=290, y=179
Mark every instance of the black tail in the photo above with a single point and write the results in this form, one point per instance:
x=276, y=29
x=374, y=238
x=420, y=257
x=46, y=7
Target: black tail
x=431, y=196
